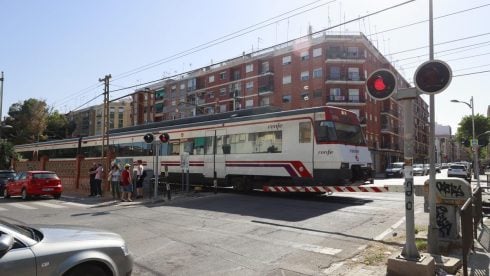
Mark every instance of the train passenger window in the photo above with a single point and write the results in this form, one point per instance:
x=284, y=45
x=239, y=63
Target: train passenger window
x=174, y=148
x=189, y=146
x=199, y=143
x=208, y=148
x=304, y=132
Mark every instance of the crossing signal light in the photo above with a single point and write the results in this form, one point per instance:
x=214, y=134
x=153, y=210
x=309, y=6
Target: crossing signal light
x=164, y=137
x=148, y=138
x=433, y=76
x=381, y=84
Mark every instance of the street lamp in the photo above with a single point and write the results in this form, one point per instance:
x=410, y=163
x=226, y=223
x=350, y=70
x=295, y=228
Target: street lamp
x=473, y=144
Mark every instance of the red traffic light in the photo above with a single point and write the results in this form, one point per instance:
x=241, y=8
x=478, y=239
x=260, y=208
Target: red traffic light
x=433, y=77
x=381, y=84
x=148, y=138
x=164, y=137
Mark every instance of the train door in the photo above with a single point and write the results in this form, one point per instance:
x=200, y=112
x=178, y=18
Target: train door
x=214, y=159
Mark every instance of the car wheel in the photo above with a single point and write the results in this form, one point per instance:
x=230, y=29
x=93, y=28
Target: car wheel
x=6, y=193
x=24, y=194
x=87, y=269
x=57, y=196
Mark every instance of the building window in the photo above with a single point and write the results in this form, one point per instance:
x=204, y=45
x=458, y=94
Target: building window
x=317, y=73
x=352, y=52
x=353, y=74
x=286, y=99
x=222, y=75
x=211, y=95
x=249, y=68
x=286, y=79
x=305, y=75
x=249, y=103
x=335, y=73
x=317, y=52
x=305, y=55
x=265, y=67
x=222, y=108
x=317, y=93
x=335, y=95
x=354, y=95
x=249, y=85
x=211, y=78
x=222, y=91
x=182, y=86
x=286, y=60
x=264, y=101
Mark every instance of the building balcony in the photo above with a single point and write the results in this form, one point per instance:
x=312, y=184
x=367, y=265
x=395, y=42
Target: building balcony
x=346, y=100
x=391, y=112
x=389, y=129
x=343, y=57
x=390, y=146
x=345, y=79
x=266, y=90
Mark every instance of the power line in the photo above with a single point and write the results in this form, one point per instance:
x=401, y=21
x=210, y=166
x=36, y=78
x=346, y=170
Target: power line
x=455, y=59
x=473, y=73
x=485, y=43
x=423, y=21
x=317, y=32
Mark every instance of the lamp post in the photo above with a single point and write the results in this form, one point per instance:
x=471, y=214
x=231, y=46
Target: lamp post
x=476, y=168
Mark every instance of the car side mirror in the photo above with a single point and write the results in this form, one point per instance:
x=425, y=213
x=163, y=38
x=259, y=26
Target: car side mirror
x=6, y=243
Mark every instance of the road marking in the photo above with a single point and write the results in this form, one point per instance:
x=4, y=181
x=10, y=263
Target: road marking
x=50, y=205
x=392, y=228
x=77, y=204
x=22, y=206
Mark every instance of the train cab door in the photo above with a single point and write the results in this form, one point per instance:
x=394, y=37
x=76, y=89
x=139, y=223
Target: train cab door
x=214, y=159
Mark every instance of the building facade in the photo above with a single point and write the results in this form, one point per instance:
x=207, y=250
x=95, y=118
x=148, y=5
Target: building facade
x=90, y=121
x=313, y=71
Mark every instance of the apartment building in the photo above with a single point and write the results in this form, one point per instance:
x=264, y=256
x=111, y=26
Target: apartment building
x=90, y=121
x=312, y=71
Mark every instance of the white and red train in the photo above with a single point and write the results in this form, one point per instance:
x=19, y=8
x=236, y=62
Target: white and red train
x=297, y=150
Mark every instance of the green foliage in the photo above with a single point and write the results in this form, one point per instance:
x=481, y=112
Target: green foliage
x=6, y=154
x=465, y=131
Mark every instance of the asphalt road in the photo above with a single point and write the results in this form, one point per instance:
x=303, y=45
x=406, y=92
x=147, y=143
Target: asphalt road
x=232, y=233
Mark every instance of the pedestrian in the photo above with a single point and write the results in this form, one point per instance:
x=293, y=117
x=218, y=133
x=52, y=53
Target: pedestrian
x=114, y=178
x=92, y=172
x=126, y=183
x=98, y=180
x=139, y=179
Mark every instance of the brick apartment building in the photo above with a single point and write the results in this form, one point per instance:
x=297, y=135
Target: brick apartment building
x=312, y=71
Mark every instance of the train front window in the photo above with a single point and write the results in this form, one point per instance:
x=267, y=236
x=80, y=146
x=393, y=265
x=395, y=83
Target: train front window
x=328, y=131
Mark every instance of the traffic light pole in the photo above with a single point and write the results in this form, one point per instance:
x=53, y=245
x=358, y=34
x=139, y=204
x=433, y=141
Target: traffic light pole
x=407, y=96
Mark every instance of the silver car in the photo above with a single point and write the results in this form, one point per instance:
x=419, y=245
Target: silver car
x=61, y=250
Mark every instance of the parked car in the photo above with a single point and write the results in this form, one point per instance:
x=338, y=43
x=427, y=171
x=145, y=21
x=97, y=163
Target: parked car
x=395, y=170
x=419, y=169
x=4, y=177
x=34, y=183
x=61, y=250
x=456, y=170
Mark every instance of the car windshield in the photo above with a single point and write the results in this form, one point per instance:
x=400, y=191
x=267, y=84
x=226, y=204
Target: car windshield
x=6, y=175
x=44, y=176
x=396, y=165
x=458, y=167
x=418, y=166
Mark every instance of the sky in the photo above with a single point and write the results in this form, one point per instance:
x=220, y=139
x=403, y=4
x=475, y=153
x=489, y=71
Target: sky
x=58, y=50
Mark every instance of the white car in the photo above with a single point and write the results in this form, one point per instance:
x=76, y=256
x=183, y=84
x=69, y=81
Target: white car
x=458, y=171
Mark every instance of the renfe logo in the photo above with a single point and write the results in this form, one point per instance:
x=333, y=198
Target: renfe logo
x=325, y=152
x=275, y=126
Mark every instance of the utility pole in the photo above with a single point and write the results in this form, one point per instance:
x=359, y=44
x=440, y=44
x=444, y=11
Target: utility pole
x=1, y=96
x=105, y=127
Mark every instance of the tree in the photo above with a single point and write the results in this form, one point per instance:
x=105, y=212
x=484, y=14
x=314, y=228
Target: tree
x=28, y=119
x=57, y=127
x=6, y=154
x=465, y=131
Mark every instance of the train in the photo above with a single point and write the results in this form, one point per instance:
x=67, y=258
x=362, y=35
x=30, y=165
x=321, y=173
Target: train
x=259, y=148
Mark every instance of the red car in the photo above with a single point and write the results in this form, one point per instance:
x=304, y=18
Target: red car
x=34, y=183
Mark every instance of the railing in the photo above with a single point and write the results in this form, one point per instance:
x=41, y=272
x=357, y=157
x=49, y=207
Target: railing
x=334, y=98
x=345, y=55
x=390, y=111
x=466, y=232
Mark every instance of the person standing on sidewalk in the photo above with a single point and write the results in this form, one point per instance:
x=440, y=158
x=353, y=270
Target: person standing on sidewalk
x=91, y=173
x=139, y=179
x=114, y=177
x=98, y=180
x=126, y=183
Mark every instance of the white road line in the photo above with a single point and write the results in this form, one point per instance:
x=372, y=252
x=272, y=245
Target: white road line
x=77, y=204
x=50, y=205
x=22, y=206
